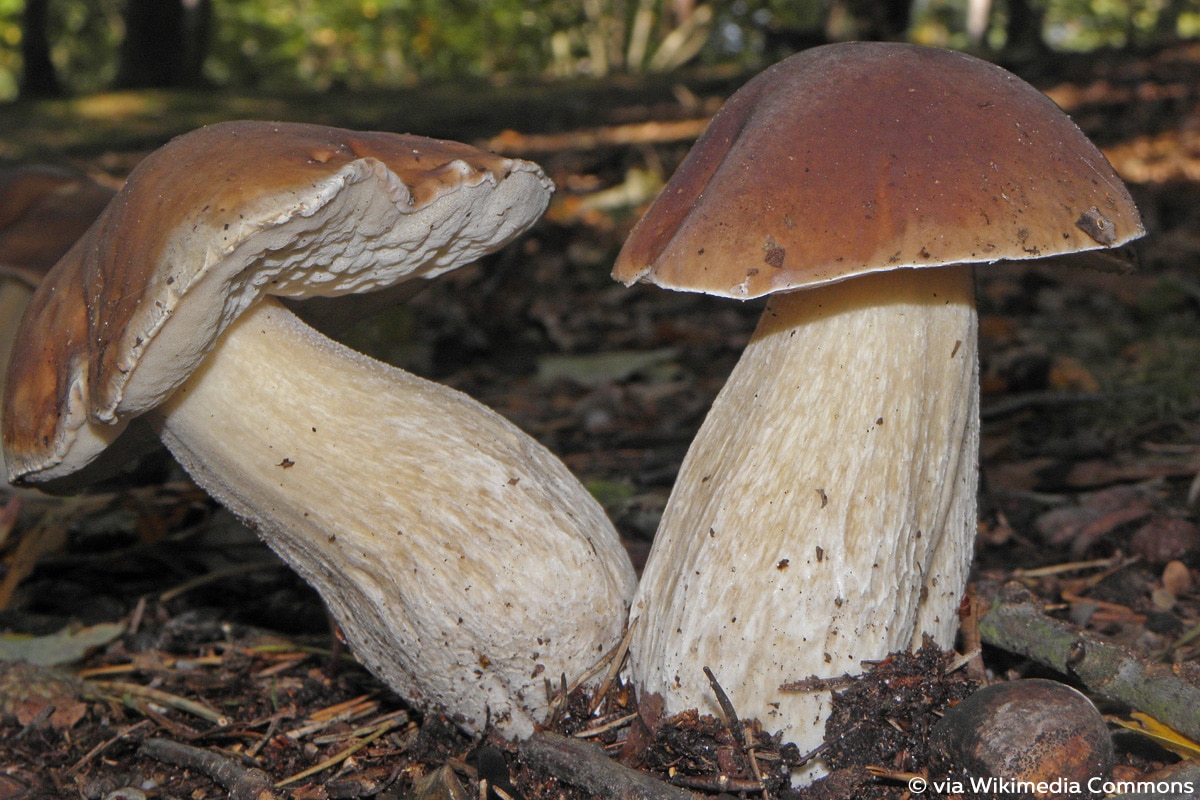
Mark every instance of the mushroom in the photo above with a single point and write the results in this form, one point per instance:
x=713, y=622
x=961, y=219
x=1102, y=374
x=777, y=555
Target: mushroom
x=463, y=562
x=825, y=512
x=44, y=209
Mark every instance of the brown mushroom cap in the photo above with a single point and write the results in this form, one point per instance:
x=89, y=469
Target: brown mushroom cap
x=213, y=220
x=896, y=156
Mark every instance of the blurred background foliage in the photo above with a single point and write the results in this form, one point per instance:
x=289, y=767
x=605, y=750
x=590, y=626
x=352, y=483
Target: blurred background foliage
x=88, y=46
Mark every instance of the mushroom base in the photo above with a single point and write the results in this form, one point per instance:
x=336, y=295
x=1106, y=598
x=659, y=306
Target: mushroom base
x=462, y=560
x=825, y=512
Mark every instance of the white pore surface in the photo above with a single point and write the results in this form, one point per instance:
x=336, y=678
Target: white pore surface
x=461, y=559
x=825, y=512
x=356, y=231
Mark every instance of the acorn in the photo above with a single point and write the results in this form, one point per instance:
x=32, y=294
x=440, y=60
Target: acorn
x=1026, y=739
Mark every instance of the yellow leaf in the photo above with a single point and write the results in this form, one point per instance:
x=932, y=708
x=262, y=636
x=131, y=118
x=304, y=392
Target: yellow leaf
x=1166, y=737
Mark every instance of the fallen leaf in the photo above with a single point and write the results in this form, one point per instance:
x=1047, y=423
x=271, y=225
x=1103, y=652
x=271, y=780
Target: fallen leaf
x=65, y=647
x=1152, y=729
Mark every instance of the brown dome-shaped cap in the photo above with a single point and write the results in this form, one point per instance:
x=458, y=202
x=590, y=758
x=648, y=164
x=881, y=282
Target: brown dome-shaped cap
x=44, y=209
x=212, y=221
x=861, y=157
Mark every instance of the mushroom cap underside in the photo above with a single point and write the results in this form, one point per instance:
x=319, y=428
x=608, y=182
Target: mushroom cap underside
x=862, y=157
x=213, y=220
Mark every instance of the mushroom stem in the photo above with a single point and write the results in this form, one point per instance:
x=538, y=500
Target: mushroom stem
x=463, y=561
x=834, y=482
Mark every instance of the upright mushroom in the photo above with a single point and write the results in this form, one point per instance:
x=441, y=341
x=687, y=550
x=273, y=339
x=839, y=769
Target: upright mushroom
x=462, y=560
x=825, y=512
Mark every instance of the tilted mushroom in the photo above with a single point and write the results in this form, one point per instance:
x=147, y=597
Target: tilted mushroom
x=825, y=512
x=462, y=560
x=44, y=209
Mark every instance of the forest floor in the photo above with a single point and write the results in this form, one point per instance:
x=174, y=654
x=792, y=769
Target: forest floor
x=171, y=621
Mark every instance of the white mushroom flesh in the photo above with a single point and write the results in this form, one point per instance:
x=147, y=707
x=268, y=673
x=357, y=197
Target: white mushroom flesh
x=462, y=560
x=825, y=513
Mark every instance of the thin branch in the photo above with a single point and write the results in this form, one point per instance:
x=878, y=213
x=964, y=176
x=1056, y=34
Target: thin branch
x=121, y=689
x=107, y=743
x=740, y=735
x=242, y=782
x=1017, y=623
x=617, y=655
x=334, y=760
x=585, y=765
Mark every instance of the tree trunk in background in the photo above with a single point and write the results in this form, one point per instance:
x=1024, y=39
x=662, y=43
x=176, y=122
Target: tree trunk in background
x=897, y=17
x=165, y=43
x=38, y=78
x=874, y=20
x=1023, y=33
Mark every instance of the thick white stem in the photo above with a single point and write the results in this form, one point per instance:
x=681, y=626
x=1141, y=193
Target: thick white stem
x=825, y=512
x=462, y=560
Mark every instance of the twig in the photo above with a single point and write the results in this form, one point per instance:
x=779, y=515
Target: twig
x=966, y=659
x=969, y=631
x=282, y=665
x=334, y=760
x=617, y=654
x=129, y=666
x=107, y=743
x=242, y=782
x=731, y=717
x=38, y=721
x=135, y=618
x=400, y=717
x=584, y=764
x=815, y=684
x=1016, y=622
x=882, y=773
x=556, y=700
x=123, y=689
x=272, y=727
x=718, y=783
x=1071, y=566
x=605, y=727
x=739, y=733
x=341, y=712
x=752, y=754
